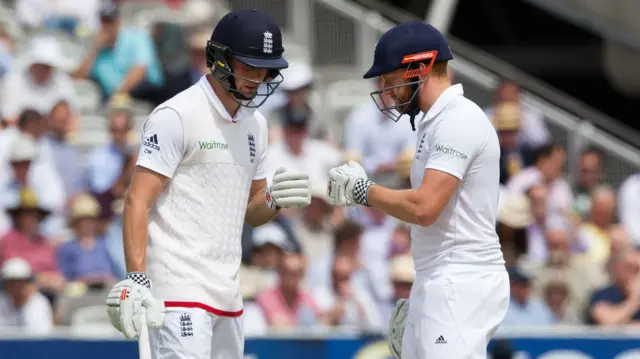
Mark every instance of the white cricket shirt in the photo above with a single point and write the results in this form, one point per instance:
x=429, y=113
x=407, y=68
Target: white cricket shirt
x=456, y=137
x=195, y=227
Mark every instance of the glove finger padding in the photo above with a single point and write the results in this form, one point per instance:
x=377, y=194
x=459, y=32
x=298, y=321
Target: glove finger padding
x=289, y=192
x=336, y=189
x=289, y=176
x=113, y=307
x=129, y=309
x=300, y=183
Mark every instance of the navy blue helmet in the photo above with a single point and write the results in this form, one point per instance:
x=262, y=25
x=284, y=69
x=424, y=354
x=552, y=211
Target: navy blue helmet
x=406, y=46
x=253, y=38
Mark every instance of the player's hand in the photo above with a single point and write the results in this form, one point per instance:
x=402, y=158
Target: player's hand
x=396, y=327
x=289, y=189
x=130, y=306
x=348, y=185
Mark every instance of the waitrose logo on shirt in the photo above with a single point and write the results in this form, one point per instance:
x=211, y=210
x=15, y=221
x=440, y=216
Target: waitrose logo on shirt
x=211, y=145
x=448, y=150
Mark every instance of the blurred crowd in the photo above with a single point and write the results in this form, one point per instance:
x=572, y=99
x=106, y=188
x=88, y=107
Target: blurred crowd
x=572, y=249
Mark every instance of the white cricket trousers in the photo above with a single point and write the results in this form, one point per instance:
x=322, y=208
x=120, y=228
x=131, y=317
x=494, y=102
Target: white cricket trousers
x=454, y=311
x=193, y=333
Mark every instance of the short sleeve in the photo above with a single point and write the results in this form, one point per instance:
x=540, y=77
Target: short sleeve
x=262, y=155
x=452, y=146
x=162, y=146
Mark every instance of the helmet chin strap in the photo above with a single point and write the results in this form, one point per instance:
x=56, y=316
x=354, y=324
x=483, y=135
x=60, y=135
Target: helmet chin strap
x=413, y=109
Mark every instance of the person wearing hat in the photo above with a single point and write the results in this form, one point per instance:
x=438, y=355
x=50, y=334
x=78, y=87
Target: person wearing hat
x=40, y=84
x=524, y=308
x=403, y=274
x=27, y=168
x=86, y=258
x=507, y=121
x=513, y=221
x=123, y=60
x=290, y=129
x=22, y=307
x=105, y=164
x=295, y=102
x=25, y=241
x=452, y=204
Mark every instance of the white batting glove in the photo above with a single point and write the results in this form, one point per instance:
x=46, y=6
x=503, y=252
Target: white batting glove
x=348, y=185
x=289, y=189
x=396, y=327
x=130, y=306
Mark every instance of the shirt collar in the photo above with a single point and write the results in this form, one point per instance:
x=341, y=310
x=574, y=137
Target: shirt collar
x=243, y=111
x=442, y=101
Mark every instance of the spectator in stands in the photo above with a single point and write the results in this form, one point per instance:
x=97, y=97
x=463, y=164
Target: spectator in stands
x=363, y=142
x=618, y=303
x=25, y=241
x=589, y=175
x=401, y=240
x=6, y=52
x=581, y=275
x=86, y=258
x=534, y=132
x=288, y=305
x=556, y=294
x=253, y=318
x=547, y=169
x=313, y=226
x=21, y=305
x=40, y=84
x=346, y=243
x=113, y=237
x=62, y=15
x=122, y=60
x=106, y=163
x=514, y=219
x=298, y=151
x=269, y=244
x=594, y=233
x=28, y=166
x=342, y=303
x=507, y=121
x=198, y=52
x=524, y=309
x=296, y=107
x=619, y=239
x=68, y=160
x=629, y=207
x=537, y=250
x=375, y=247
x=403, y=275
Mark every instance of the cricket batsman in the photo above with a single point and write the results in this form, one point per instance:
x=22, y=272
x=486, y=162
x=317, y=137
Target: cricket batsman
x=199, y=178
x=461, y=291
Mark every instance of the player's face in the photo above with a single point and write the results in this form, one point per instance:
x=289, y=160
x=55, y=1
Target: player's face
x=248, y=78
x=393, y=82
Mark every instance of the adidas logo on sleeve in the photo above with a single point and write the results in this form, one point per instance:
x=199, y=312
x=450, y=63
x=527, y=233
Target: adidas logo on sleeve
x=152, y=142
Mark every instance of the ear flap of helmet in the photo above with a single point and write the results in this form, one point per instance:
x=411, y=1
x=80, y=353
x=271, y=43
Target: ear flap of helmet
x=217, y=58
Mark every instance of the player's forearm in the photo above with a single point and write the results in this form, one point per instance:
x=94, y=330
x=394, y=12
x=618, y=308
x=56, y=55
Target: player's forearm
x=404, y=205
x=135, y=216
x=258, y=211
